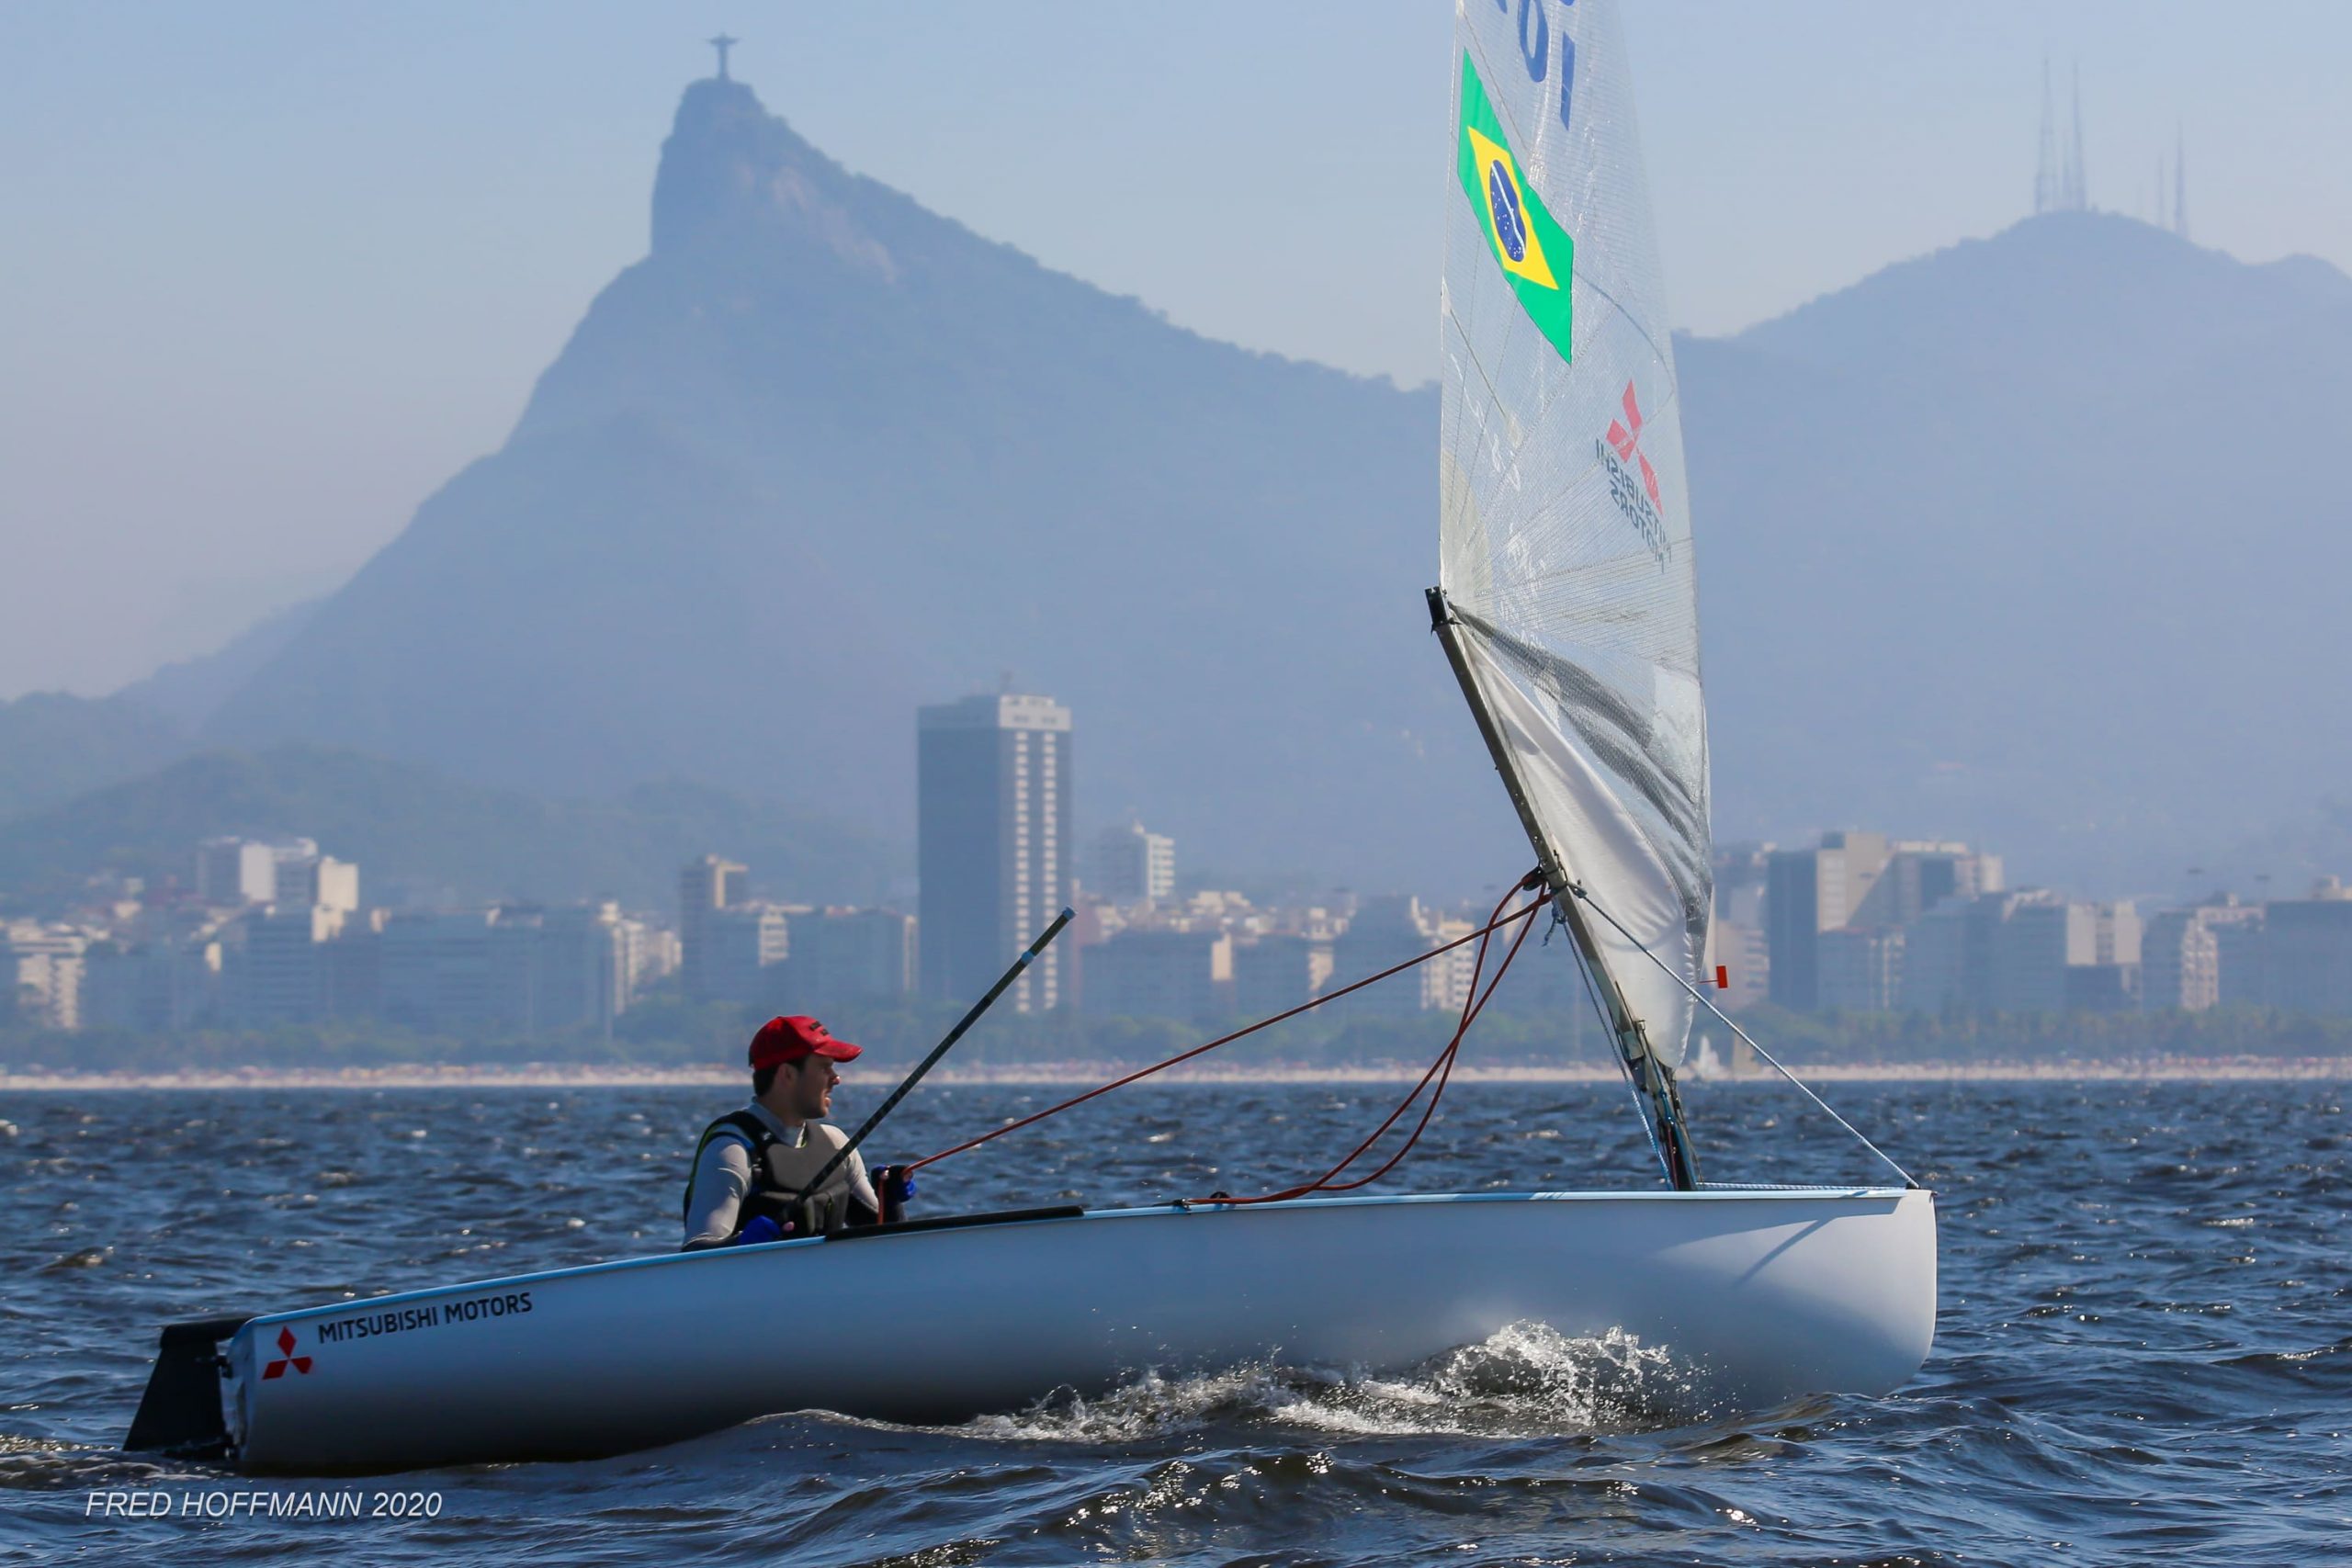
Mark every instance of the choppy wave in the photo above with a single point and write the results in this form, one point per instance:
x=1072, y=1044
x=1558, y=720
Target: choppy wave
x=2141, y=1358
x=1524, y=1381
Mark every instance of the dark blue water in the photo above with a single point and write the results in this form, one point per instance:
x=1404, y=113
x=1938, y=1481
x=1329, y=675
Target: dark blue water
x=2144, y=1354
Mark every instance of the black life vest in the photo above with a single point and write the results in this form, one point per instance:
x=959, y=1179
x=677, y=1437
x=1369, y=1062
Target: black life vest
x=779, y=1172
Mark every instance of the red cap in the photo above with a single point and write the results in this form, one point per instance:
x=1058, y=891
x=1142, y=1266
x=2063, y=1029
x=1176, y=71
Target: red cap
x=782, y=1039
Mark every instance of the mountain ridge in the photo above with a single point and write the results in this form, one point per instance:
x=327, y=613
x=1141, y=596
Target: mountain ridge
x=1965, y=528
x=432, y=838
x=823, y=456
x=2045, y=549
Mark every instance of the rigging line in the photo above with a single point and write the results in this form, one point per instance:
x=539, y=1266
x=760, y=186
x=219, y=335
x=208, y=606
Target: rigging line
x=1700, y=997
x=1223, y=1040
x=1617, y=1054
x=1474, y=1002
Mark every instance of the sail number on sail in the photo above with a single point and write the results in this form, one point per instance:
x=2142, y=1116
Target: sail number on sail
x=1535, y=48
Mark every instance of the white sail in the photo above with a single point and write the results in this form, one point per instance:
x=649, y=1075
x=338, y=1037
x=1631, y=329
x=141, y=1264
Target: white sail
x=1564, y=544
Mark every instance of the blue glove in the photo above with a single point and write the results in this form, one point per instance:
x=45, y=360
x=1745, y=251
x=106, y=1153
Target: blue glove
x=762, y=1228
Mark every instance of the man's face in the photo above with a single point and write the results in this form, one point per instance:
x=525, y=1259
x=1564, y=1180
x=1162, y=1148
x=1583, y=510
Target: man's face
x=812, y=1078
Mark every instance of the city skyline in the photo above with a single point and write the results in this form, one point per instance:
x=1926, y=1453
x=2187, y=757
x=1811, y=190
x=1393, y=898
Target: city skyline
x=272, y=934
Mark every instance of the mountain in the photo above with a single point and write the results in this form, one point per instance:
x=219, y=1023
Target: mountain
x=190, y=691
x=442, y=839
x=55, y=746
x=823, y=456
x=2024, y=541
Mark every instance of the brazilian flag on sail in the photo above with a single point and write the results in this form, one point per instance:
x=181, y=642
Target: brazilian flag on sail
x=1535, y=252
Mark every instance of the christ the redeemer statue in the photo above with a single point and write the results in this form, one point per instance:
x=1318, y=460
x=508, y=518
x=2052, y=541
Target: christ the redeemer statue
x=723, y=43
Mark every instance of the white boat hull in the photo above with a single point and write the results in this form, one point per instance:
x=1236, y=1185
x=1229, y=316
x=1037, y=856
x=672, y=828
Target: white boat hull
x=1758, y=1296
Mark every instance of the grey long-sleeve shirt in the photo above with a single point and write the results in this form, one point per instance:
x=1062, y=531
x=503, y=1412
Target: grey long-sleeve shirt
x=723, y=1175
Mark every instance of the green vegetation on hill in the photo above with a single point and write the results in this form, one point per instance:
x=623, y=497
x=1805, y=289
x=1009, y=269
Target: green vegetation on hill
x=399, y=820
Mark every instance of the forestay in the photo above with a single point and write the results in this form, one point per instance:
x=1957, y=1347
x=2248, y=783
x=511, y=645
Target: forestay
x=1565, y=526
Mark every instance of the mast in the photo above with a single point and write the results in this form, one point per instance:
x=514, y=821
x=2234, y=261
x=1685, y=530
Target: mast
x=1652, y=1078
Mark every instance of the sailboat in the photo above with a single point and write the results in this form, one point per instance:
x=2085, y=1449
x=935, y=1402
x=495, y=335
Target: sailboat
x=1567, y=608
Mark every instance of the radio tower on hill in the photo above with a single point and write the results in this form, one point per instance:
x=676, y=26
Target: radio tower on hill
x=2058, y=182
x=2173, y=185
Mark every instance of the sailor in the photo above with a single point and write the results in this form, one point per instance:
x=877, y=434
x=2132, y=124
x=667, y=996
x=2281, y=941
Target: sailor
x=752, y=1166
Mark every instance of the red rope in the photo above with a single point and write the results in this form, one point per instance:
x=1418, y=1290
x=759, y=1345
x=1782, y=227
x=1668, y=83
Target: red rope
x=1478, y=936
x=1472, y=1003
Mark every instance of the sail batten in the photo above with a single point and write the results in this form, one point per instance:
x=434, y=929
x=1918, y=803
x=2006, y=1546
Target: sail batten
x=1564, y=526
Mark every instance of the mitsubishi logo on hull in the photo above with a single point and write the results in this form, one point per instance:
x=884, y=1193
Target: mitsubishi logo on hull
x=287, y=1358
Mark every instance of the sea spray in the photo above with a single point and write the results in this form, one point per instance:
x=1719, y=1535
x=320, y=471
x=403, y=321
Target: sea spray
x=1526, y=1380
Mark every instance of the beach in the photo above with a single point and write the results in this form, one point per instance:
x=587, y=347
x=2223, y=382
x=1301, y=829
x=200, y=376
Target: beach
x=1076, y=1076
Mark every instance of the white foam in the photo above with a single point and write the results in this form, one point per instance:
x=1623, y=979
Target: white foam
x=1526, y=1380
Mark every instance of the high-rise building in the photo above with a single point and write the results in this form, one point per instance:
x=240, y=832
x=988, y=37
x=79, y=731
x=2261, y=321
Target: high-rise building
x=1384, y=931
x=1278, y=972
x=280, y=974
x=1864, y=883
x=335, y=885
x=40, y=975
x=586, y=975
x=742, y=950
x=436, y=969
x=993, y=782
x=1808, y=892
x=2041, y=936
x=2309, y=943
x=300, y=876
x=235, y=871
x=1128, y=864
x=1917, y=877
x=1741, y=953
x=150, y=985
x=1736, y=932
x=356, y=965
x=1861, y=969
x=649, y=953
x=2183, y=956
x=291, y=874
x=1948, y=955
x=1162, y=974
x=290, y=863
x=2242, y=961
x=849, y=955
x=2180, y=964
x=706, y=887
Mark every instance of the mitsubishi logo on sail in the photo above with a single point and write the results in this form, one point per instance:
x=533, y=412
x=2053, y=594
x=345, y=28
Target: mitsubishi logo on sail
x=1619, y=451
x=288, y=1357
x=1626, y=436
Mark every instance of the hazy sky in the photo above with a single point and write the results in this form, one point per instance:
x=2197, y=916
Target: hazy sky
x=270, y=273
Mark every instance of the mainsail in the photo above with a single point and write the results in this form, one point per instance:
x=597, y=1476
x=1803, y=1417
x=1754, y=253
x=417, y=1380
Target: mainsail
x=1569, y=595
